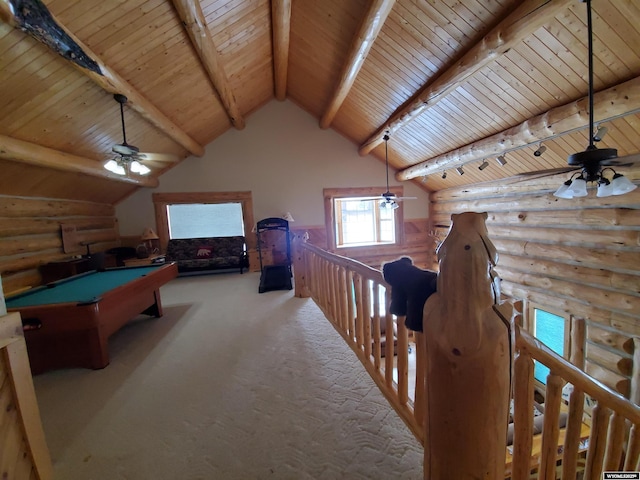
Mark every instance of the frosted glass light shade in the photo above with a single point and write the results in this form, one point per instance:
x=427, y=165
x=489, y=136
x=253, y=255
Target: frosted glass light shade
x=578, y=187
x=564, y=190
x=622, y=184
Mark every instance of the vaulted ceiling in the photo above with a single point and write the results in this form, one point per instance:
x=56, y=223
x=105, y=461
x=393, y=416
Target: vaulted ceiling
x=453, y=82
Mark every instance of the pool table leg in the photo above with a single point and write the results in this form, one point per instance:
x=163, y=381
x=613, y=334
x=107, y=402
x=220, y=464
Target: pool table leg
x=156, y=308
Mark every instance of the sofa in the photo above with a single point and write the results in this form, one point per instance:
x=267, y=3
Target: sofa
x=206, y=254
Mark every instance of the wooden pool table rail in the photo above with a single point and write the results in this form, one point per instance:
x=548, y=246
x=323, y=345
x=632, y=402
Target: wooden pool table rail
x=76, y=334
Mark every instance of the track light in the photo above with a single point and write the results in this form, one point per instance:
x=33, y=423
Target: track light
x=541, y=149
x=501, y=160
x=483, y=165
x=460, y=170
x=444, y=175
x=600, y=133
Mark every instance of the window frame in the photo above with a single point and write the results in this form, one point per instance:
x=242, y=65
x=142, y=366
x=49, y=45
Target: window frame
x=566, y=341
x=162, y=200
x=331, y=194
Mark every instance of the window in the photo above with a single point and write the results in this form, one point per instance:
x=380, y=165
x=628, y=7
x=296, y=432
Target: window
x=361, y=221
x=354, y=218
x=551, y=329
x=162, y=201
x=198, y=220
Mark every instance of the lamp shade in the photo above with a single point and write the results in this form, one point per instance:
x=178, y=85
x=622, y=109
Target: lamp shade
x=149, y=234
x=564, y=191
x=578, y=187
x=622, y=184
x=605, y=189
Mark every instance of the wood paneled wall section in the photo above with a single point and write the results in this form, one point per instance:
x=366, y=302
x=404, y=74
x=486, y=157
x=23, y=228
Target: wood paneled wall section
x=30, y=234
x=579, y=256
x=418, y=244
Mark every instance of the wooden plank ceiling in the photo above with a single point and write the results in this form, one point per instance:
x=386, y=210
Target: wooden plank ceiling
x=453, y=81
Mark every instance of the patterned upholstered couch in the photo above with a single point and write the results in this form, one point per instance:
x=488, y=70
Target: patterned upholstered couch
x=211, y=253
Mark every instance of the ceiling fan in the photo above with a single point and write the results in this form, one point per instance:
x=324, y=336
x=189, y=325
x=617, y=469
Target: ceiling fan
x=388, y=199
x=128, y=157
x=593, y=161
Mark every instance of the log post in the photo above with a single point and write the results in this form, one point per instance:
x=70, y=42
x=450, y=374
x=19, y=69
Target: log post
x=467, y=337
x=300, y=273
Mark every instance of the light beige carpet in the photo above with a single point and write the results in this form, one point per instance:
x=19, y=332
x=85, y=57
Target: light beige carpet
x=228, y=384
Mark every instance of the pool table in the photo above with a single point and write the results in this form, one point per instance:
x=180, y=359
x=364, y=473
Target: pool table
x=68, y=323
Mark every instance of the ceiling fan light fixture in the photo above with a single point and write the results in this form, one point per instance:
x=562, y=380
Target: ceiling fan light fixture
x=501, y=160
x=483, y=165
x=137, y=167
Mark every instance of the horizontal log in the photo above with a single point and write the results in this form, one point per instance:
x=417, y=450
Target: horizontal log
x=611, y=259
x=13, y=227
x=538, y=201
x=624, y=283
x=567, y=236
x=617, y=362
x=517, y=185
x=11, y=206
x=19, y=281
x=587, y=295
x=29, y=244
x=594, y=217
x=612, y=380
x=25, y=152
x=610, y=338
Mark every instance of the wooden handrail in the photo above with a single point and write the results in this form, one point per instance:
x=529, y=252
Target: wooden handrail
x=347, y=291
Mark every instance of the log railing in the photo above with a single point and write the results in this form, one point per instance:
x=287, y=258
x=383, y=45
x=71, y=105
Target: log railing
x=347, y=292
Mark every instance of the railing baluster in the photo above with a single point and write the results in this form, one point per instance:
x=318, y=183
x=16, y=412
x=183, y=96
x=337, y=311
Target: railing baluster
x=633, y=451
x=572, y=438
x=597, y=442
x=359, y=314
x=388, y=347
x=402, y=354
x=377, y=351
x=615, y=440
x=351, y=305
x=366, y=314
x=522, y=417
x=550, y=428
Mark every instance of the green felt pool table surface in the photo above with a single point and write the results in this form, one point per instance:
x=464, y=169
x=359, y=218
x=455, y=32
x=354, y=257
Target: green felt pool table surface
x=83, y=288
x=68, y=323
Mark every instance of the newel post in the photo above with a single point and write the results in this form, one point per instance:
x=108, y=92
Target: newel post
x=467, y=338
x=300, y=272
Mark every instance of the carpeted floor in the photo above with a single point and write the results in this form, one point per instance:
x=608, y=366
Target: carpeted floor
x=228, y=384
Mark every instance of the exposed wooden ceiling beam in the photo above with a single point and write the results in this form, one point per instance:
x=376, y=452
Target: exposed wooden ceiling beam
x=518, y=25
x=609, y=104
x=26, y=152
x=193, y=19
x=360, y=46
x=110, y=81
x=281, y=27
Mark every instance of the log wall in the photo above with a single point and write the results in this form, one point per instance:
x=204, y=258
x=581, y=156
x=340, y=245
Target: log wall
x=579, y=256
x=30, y=235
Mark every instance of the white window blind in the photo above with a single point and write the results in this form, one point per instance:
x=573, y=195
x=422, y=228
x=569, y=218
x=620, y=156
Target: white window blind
x=198, y=220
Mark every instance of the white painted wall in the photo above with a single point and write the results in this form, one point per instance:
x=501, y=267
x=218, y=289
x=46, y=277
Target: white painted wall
x=285, y=159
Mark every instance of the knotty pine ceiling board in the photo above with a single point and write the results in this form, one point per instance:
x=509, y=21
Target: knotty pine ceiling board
x=321, y=35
